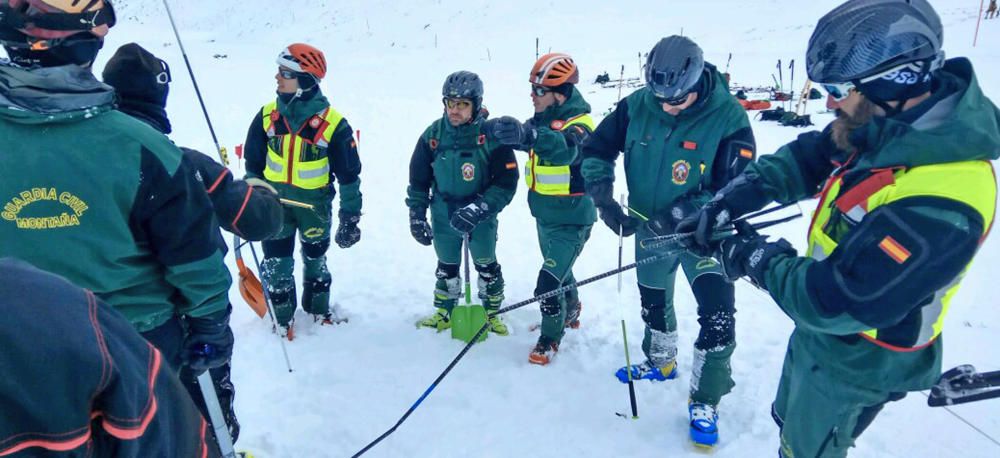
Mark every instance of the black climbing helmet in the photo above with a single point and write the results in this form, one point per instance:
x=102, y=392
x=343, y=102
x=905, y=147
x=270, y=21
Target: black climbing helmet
x=674, y=67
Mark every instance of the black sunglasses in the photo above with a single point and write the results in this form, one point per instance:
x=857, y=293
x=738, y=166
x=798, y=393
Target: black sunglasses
x=540, y=91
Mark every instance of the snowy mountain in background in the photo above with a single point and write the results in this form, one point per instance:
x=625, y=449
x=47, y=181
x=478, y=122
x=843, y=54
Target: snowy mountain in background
x=387, y=61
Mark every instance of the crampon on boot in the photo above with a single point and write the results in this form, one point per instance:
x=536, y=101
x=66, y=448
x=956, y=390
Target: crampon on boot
x=286, y=331
x=544, y=351
x=647, y=371
x=573, y=317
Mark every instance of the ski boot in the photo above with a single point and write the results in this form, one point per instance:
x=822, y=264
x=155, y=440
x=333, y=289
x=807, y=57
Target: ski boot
x=647, y=371
x=704, y=424
x=544, y=351
x=496, y=325
x=439, y=320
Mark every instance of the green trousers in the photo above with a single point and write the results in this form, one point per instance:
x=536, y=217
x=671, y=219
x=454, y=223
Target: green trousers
x=313, y=228
x=716, y=342
x=561, y=245
x=448, y=246
x=821, y=415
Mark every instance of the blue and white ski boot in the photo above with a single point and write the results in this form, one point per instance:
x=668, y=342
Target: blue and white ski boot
x=647, y=371
x=704, y=424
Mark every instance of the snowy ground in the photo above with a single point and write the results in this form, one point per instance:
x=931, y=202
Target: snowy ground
x=387, y=61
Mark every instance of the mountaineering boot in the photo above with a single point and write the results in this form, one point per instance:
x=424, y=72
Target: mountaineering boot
x=647, y=371
x=496, y=324
x=286, y=331
x=704, y=424
x=439, y=320
x=573, y=315
x=544, y=351
x=324, y=319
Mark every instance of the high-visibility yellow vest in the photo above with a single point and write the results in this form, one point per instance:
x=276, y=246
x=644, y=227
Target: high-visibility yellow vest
x=298, y=157
x=971, y=182
x=555, y=180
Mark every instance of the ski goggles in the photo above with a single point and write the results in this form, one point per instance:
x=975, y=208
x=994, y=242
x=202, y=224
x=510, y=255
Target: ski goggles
x=679, y=100
x=461, y=104
x=539, y=91
x=286, y=73
x=839, y=91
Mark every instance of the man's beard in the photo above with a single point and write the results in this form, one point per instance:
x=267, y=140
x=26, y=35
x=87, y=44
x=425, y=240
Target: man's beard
x=845, y=124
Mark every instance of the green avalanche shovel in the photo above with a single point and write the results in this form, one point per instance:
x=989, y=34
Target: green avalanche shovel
x=468, y=318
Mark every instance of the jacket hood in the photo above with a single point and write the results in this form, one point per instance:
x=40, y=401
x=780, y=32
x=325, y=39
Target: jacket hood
x=298, y=110
x=51, y=94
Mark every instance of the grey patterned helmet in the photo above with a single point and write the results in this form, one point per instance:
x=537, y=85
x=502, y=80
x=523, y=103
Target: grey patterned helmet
x=861, y=38
x=673, y=67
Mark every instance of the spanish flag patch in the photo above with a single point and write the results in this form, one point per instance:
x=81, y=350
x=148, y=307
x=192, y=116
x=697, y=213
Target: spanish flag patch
x=511, y=165
x=894, y=250
x=746, y=153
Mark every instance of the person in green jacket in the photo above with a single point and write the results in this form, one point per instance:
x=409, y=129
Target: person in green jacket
x=684, y=137
x=101, y=198
x=907, y=196
x=300, y=145
x=564, y=215
x=466, y=178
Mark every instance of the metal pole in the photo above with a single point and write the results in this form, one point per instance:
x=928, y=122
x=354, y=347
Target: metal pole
x=223, y=156
x=215, y=415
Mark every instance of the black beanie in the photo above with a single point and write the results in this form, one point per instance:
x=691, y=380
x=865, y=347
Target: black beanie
x=142, y=82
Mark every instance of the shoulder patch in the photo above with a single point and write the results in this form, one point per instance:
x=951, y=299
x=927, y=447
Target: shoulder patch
x=433, y=143
x=511, y=165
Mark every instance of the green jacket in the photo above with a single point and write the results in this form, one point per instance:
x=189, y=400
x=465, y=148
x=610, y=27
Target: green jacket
x=562, y=147
x=103, y=199
x=958, y=123
x=458, y=165
x=667, y=157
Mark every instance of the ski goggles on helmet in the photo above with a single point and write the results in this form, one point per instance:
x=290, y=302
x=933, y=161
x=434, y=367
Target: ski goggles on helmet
x=839, y=91
x=539, y=91
x=451, y=104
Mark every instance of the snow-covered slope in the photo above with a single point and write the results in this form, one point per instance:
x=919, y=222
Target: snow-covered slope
x=387, y=61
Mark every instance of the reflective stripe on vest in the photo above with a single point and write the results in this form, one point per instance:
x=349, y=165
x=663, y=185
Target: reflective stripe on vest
x=286, y=164
x=972, y=183
x=553, y=180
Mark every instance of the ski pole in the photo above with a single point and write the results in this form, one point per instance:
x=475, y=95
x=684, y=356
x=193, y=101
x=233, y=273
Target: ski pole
x=219, y=426
x=267, y=300
x=223, y=156
x=621, y=307
x=561, y=290
x=791, y=83
x=621, y=82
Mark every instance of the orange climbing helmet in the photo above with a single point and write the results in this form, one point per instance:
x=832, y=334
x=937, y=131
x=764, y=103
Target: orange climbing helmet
x=303, y=58
x=554, y=69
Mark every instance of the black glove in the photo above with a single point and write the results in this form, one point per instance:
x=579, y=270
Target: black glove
x=666, y=223
x=615, y=218
x=740, y=196
x=420, y=229
x=748, y=255
x=610, y=211
x=509, y=131
x=601, y=192
x=348, y=232
x=466, y=219
x=209, y=342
